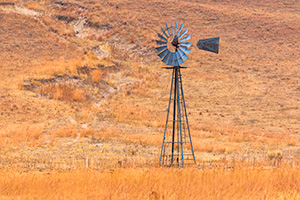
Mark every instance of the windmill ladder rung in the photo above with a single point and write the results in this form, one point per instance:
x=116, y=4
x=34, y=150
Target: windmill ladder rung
x=176, y=155
x=176, y=142
x=180, y=154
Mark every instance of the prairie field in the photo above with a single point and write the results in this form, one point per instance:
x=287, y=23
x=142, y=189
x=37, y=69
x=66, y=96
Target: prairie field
x=84, y=96
x=154, y=183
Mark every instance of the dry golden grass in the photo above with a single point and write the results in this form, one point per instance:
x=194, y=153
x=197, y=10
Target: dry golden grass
x=244, y=183
x=21, y=135
x=69, y=131
x=34, y=6
x=62, y=92
x=60, y=67
x=96, y=75
x=78, y=95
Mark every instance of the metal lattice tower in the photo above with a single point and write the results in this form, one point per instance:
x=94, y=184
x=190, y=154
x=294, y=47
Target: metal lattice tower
x=177, y=148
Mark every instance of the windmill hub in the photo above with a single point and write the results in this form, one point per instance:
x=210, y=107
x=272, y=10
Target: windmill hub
x=172, y=45
x=175, y=41
x=177, y=148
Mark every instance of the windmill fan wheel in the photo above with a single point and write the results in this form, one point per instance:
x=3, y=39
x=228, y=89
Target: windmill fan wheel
x=173, y=45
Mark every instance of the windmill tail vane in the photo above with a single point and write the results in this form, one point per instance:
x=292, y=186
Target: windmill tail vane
x=211, y=44
x=173, y=49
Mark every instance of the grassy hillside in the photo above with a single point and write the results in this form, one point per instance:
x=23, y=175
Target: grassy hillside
x=81, y=86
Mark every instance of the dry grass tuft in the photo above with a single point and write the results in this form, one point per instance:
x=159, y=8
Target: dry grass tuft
x=69, y=131
x=86, y=132
x=61, y=91
x=34, y=6
x=21, y=135
x=20, y=83
x=96, y=75
x=78, y=95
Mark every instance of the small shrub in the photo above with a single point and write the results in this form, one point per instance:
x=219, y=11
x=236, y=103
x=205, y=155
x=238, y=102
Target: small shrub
x=275, y=157
x=96, y=75
x=20, y=83
x=131, y=40
x=58, y=94
x=65, y=132
x=78, y=95
x=107, y=34
x=86, y=132
x=100, y=38
x=33, y=6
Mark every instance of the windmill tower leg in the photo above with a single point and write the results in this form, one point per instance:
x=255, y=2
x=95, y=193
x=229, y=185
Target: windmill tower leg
x=179, y=120
x=174, y=113
x=186, y=118
x=175, y=139
x=163, y=160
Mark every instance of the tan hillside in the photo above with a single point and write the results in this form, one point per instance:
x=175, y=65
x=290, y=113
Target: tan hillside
x=81, y=86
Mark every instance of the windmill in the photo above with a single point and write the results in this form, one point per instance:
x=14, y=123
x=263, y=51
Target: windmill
x=173, y=48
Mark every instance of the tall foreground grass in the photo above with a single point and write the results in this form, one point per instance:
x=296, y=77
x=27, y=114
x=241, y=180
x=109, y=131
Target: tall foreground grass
x=154, y=183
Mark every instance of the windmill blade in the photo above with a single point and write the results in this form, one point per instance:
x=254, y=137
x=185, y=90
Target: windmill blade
x=178, y=58
x=163, y=53
x=185, y=38
x=180, y=29
x=171, y=60
x=185, y=50
x=166, y=58
x=164, y=32
x=176, y=27
x=210, y=44
x=167, y=28
x=171, y=28
x=158, y=42
x=186, y=44
x=159, y=49
x=175, y=62
x=182, y=55
x=162, y=37
x=184, y=32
